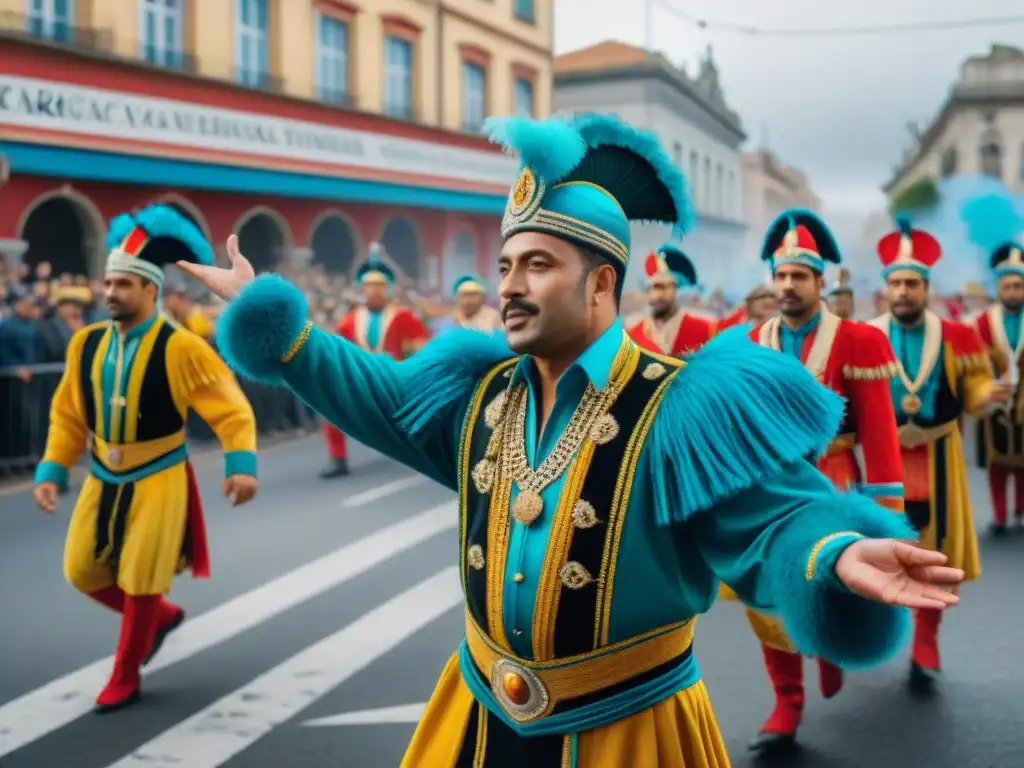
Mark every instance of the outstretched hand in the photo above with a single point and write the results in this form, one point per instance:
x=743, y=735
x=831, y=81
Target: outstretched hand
x=898, y=573
x=225, y=283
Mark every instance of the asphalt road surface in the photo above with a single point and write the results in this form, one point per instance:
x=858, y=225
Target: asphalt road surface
x=333, y=606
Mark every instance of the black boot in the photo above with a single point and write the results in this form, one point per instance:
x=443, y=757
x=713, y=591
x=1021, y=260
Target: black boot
x=336, y=468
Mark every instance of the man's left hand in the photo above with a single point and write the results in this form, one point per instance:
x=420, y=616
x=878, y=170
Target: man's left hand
x=898, y=573
x=1000, y=394
x=238, y=489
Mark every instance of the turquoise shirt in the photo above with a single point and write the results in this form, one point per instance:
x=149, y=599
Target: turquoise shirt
x=373, y=328
x=123, y=346
x=663, y=575
x=791, y=340
x=1011, y=324
x=908, y=344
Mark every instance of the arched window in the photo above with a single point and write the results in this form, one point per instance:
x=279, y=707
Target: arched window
x=263, y=238
x=401, y=242
x=61, y=230
x=333, y=243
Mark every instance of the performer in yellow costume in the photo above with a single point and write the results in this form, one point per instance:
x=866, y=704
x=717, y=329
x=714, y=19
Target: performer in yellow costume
x=603, y=489
x=129, y=382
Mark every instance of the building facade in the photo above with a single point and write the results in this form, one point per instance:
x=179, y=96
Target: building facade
x=979, y=129
x=308, y=127
x=770, y=186
x=695, y=124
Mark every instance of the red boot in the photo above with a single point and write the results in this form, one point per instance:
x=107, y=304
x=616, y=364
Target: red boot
x=998, y=478
x=110, y=597
x=138, y=627
x=171, y=617
x=786, y=671
x=830, y=679
x=926, y=638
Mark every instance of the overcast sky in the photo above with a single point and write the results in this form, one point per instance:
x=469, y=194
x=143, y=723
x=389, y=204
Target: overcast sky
x=837, y=108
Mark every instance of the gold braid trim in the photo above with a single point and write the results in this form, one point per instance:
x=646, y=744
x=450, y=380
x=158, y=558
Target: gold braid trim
x=299, y=342
x=888, y=370
x=812, y=561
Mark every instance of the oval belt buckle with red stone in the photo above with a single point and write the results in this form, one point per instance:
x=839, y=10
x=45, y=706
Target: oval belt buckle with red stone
x=519, y=691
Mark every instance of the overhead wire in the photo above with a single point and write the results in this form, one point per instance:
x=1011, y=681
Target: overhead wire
x=850, y=31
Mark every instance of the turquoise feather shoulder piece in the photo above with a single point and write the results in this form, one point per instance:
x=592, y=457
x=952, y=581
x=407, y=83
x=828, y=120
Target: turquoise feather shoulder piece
x=733, y=416
x=441, y=377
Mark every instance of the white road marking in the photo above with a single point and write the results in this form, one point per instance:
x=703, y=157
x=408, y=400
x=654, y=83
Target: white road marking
x=61, y=701
x=383, y=491
x=216, y=734
x=403, y=713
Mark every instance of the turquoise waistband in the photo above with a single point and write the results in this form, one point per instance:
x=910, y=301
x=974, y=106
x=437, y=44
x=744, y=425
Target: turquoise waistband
x=168, y=460
x=589, y=716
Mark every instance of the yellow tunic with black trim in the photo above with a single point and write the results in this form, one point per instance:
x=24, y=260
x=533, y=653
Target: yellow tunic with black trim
x=590, y=540
x=131, y=392
x=945, y=366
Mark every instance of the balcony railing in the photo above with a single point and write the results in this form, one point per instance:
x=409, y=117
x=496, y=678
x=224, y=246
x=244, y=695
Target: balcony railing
x=171, y=59
x=26, y=27
x=335, y=98
x=260, y=80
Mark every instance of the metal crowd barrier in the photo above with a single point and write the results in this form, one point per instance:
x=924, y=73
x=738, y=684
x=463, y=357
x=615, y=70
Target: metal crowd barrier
x=25, y=414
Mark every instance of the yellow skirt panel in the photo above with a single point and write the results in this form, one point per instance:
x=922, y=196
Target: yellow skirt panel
x=153, y=533
x=769, y=631
x=961, y=540
x=679, y=732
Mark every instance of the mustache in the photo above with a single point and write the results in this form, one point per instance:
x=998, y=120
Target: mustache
x=520, y=305
x=789, y=295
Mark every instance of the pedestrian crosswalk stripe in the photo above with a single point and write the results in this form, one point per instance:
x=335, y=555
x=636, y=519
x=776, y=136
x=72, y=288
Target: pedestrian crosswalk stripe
x=61, y=701
x=214, y=735
x=383, y=491
x=403, y=713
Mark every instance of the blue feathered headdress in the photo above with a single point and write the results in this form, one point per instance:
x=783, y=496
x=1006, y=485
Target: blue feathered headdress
x=994, y=224
x=375, y=269
x=799, y=236
x=145, y=242
x=585, y=177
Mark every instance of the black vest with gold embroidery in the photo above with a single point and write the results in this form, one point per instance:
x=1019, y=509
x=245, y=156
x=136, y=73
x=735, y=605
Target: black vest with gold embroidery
x=571, y=614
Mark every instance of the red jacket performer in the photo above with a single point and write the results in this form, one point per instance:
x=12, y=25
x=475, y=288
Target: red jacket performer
x=378, y=325
x=1000, y=329
x=670, y=330
x=856, y=361
x=942, y=372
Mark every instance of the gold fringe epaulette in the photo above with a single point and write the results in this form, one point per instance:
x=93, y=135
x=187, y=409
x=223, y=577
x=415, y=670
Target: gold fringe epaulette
x=886, y=371
x=973, y=363
x=200, y=370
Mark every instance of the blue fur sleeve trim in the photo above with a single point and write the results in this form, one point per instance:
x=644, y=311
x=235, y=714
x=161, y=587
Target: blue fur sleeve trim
x=821, y=616
x=257, y=328
x=733, y=416
x=441, y=377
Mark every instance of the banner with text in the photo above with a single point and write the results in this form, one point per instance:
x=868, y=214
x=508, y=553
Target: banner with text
x=55, y=106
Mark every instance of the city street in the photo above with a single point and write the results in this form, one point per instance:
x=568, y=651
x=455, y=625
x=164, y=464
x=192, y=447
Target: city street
x=333, y=606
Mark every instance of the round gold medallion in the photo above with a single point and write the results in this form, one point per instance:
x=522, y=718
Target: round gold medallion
x=605, y=429
x=527, y=507
x=910, y=404
x=114, y=457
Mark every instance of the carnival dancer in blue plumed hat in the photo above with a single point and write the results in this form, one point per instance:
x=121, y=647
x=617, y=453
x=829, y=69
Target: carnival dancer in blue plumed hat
x=379, y=325
x=669, y=329
x=139, y=511
x=604, y=489
x=992, y=219
x=471, y=308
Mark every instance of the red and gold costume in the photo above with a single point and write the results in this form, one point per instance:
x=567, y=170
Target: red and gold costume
x=138, y=520
x=943, y=372
x=1002, y=333
x=392, y=330
x=857, y=362
x=681, y=333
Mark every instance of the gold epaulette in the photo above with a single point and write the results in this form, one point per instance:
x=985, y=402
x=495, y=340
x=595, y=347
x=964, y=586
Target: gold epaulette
x=885, y=371
x=973, y=363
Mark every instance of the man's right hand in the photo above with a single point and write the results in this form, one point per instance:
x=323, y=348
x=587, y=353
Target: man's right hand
x=46, y=495
x=225, y=283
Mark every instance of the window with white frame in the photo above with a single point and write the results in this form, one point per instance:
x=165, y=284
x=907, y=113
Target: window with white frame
x=252, y=53
x=52, y=19
x=397, y=77
x=160, y=31
x=474, y=96
x=332, y=60
x=523, y=96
